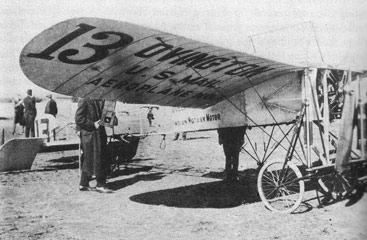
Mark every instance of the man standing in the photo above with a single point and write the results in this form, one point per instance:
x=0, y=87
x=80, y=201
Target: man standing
x=232, y=139
x=18, y=115
x=93, y=144
x=150, y=116
x=30, y=113
x=51, y=106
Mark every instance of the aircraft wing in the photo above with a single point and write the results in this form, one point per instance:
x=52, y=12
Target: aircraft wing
x=119, y=61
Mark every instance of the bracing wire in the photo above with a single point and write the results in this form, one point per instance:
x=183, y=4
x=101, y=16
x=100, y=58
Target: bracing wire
x=312, y=28
x=265, y=105
x=233, y=104
x=279, y=29
x=317, y=42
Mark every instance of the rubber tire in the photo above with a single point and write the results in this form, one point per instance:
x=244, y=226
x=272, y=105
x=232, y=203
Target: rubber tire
x=263, y=183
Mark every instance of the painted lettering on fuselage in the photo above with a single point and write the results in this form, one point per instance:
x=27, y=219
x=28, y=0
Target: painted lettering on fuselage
x=189, y=120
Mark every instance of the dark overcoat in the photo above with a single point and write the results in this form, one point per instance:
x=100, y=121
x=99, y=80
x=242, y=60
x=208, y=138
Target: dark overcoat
x=93, y=141
x=51, y=107
x=232, y=139
x=30, y=111
x=19, y=115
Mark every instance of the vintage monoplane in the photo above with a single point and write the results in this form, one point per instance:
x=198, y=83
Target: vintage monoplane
x=213, y=88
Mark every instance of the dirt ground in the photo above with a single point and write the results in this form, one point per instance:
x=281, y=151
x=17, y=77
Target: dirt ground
x=175, y=193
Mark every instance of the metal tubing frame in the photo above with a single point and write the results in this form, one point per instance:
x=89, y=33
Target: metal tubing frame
x=307, y=96
x=362, y=119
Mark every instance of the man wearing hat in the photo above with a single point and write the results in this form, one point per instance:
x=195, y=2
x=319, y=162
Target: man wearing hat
x=51, y=106
x=30, y=113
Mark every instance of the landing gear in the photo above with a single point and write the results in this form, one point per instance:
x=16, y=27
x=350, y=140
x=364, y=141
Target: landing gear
x=280, y=187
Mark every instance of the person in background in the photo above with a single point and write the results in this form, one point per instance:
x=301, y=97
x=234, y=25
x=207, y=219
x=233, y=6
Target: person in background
x=30, y=113
x=232, y=139
x=93, y=140
x=51, y=106
x=150, y=116
x=18, y=115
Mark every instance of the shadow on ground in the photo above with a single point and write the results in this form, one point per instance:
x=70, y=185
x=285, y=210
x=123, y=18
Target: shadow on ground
x=62, y=163
x=130, y=170
x=195, y=138
x=119, y=184
x=245, y=175
x=64, y=159
x=217, y=194
x=72, y=162
x=126, y=162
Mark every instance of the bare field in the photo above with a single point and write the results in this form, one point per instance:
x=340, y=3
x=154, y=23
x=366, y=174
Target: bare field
x=170, y=190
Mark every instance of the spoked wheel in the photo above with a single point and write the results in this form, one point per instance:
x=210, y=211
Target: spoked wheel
x=336, y=186
x=279, y=186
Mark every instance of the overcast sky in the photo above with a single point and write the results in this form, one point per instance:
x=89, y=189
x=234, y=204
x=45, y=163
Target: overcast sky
x=279, y=29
